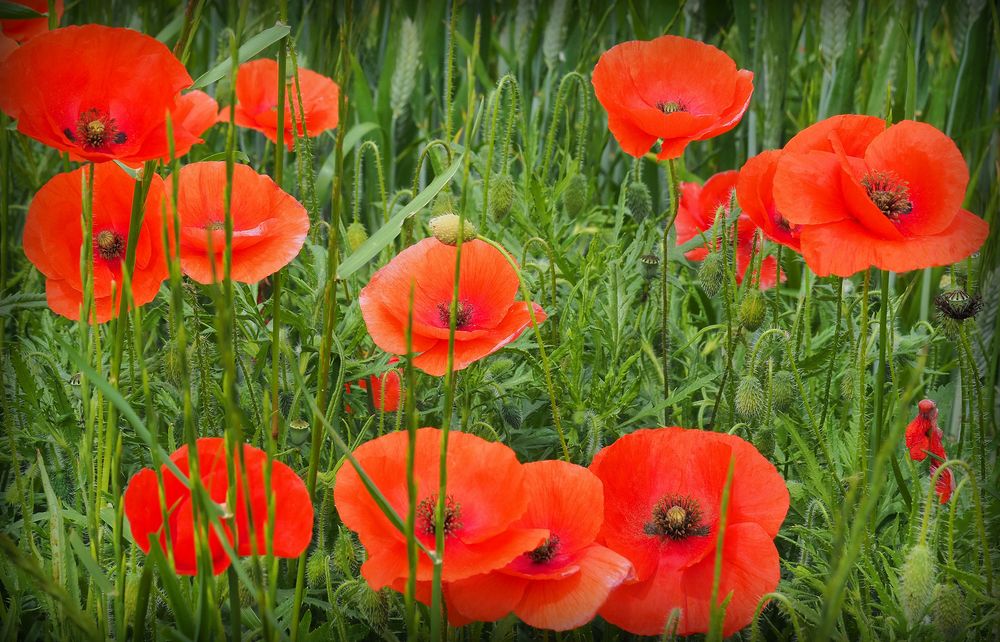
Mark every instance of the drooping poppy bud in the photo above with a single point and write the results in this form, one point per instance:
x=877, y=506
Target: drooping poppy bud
x=916, y=583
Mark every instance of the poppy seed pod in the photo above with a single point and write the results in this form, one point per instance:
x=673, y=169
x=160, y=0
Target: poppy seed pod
x=356, y=235
x=638, y=200
x=650, y=263
x=445, y=228
x=502, y=193
x=752, y=310
x=574, y=199
x=916, y=583
x=751, y=403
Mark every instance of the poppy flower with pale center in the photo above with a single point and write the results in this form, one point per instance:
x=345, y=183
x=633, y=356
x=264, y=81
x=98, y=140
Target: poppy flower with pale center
x=670, y=88
x=482, y=532
x=257, y=101
x=867, y=196
x=754, y=191
x=23, y=29
x=662, y=493
x=292, y=517
x=76, y=89
x=923, y=436
x=269, y=225
x=53, y=236
x=696, y=211
x=561, y=583
x=386, y=388
x=488, y=317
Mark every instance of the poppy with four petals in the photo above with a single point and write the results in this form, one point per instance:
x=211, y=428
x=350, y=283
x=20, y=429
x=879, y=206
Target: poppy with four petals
x=488, y=317
x=269, y=225
x=257, y=101
x=53, y=237
x=672, y=89
x=870, y=196
x=23, y=29
x=662, y=494
x=76, y=89
x=292, y=518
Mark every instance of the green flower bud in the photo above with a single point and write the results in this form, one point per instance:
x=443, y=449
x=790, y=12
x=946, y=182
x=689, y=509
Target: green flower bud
x=916, y=583
x=711, y=273
x=445, y=229
x=950, y=615
x=847, y=385
x=782, y=390
x=356, y=235
x=638, y=200
x=316, y=566
x=344, y=553
x=502, y=193
x=753, y=308
x=751, y=403
x=575, y=197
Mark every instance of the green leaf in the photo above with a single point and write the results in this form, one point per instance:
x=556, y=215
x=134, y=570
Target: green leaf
x=239, y=157
x=134, y=173
x=15, y=11
x=388, y=232
x=94, y=571
x=248, y=49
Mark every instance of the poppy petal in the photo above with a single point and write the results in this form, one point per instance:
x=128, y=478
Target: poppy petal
x=485, y=598
x=855, y=131
x=807, y=188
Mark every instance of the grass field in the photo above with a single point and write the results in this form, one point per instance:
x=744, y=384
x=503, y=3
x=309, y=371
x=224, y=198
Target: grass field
x=487, y=113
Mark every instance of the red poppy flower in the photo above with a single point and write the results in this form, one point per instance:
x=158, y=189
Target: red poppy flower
x=269, y=226
x=194, y=113
x=257, y=101
x=560, y=584
x=662, y=492
x=756, y=198
x=488, y=317
x=293, y=509
x=867, y=196
x=923, y=436
x=53, y=236
x=100, y=93
x=386, y=388
x=24, y=29
x=696, y=214
x=481, y=531
x=669, y=88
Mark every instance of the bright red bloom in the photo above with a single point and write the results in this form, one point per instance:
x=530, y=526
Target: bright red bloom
x=754, y=191
x=560, y=584
x=269, y=226
x=488, y=316
x=669, y=88
x=386, y=388
x=194, y=113
x=868, y=196
x=662, y=493
x=24, y=29
x=481, y=528
x=696, y=214
x=100, y=93
x=257, y=101
x=293, y=509
x=924, y=436
x=53, y=237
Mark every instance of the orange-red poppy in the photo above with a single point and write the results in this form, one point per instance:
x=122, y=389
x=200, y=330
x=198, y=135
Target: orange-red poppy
x=560, y=584
x=386, y=388
x=754, y=191
x=923, y=437
x=662, y=494
x=194, y=112
x=257, y=101
x=292, y=517
x=22, y=29
x=480, y=522
x=53, y=237
x=269, y=226
x=488, y=317
x=867, y=196
x=99, y=93
x=670, y=88
x=696, y=211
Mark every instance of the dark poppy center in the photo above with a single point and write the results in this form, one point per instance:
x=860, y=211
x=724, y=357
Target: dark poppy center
x=676, y=518
x=671, y=106
x=463, y=315
x=958, y=305
x=109, y=245
x=95, y=130
x=545, y=551
x=426, y=523
x=889, y=193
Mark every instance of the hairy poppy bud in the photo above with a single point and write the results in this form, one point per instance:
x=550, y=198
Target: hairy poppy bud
x=950, y=615
x=638, y=200
x=445, y=229
x=502, y=192
x=316, y=567
x=752, y=310
x=847, y=381
x=344, y=553
x=782, y=390
x=356, y=235
x=750, y=400
x=916, y=583
x=575, y=197
x=711, y=273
